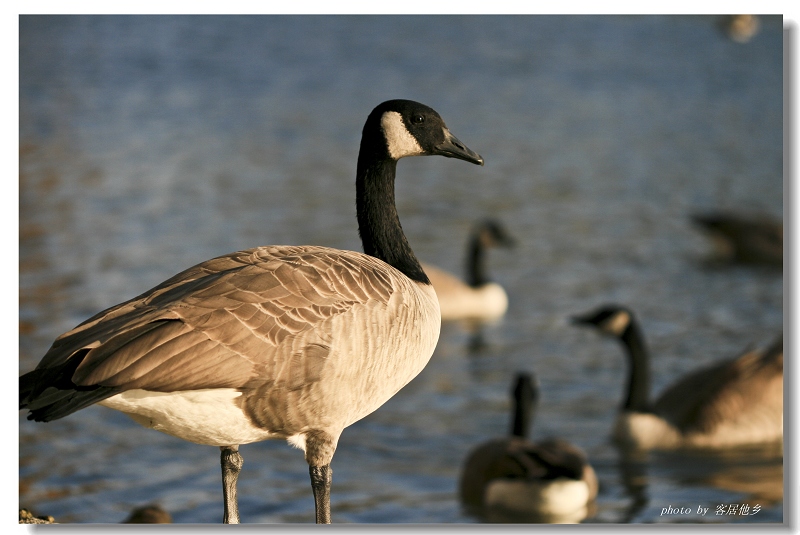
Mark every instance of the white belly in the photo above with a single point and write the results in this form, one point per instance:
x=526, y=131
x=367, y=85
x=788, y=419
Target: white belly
x=558, y=501
x=210, y=417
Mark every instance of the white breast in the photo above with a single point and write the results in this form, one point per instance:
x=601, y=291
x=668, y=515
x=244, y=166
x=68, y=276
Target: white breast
x=560, y=500
x=393, y=351
x=645, y=431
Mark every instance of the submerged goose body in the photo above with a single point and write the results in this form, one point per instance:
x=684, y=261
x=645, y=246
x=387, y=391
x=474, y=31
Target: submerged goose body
x=275, y=342
x=726, y=404
x=514, y=479
x=477, y=297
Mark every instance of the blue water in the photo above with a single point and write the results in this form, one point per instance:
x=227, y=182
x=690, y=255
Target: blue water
x=148, y=144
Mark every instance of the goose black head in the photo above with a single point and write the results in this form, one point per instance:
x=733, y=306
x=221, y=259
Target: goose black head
x=492, y=233
x=399, y=128
x=612, y=320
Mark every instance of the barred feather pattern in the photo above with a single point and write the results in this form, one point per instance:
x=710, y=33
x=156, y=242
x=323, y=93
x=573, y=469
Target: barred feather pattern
x=288, y=329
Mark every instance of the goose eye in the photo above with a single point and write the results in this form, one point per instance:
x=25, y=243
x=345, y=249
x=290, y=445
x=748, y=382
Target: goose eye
x=417, y=119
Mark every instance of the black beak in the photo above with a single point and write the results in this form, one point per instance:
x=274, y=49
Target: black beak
x=453, y=148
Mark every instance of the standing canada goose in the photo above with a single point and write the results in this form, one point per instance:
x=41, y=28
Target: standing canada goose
x=478, y=298
x=746, y=239
x=276, y=342
x=515, y=479
x=729, y=403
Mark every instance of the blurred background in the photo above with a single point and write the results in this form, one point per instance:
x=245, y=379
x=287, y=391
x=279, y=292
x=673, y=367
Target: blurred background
x=150, y=143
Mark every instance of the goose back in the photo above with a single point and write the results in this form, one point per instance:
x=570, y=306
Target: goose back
x=729, y=402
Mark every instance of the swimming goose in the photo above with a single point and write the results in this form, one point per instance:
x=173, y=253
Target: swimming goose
x=479, y=298
x=746, y=239
x=729, y=403
x=275, y=342
x=515, y=479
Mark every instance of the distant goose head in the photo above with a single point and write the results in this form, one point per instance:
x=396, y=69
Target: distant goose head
x=611, y=320
x=485, y=234
x=618, y=322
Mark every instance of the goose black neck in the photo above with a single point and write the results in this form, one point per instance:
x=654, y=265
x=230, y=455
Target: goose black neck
x=524, y=406
x=476, y=262
x=639, y=369
x=378, y=222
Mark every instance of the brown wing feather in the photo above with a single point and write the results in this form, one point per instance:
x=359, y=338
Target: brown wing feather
x=220, y=323
x=722, y=392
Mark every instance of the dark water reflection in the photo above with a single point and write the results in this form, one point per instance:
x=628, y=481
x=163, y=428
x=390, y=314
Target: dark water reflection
x=148, y=144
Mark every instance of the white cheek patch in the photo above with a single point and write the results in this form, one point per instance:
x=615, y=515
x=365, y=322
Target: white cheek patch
x=617, y=323
x=399, y=140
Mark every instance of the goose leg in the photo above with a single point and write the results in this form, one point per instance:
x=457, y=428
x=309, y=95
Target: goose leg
x=321, y=485
x=319, y=448
x=231, y=462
